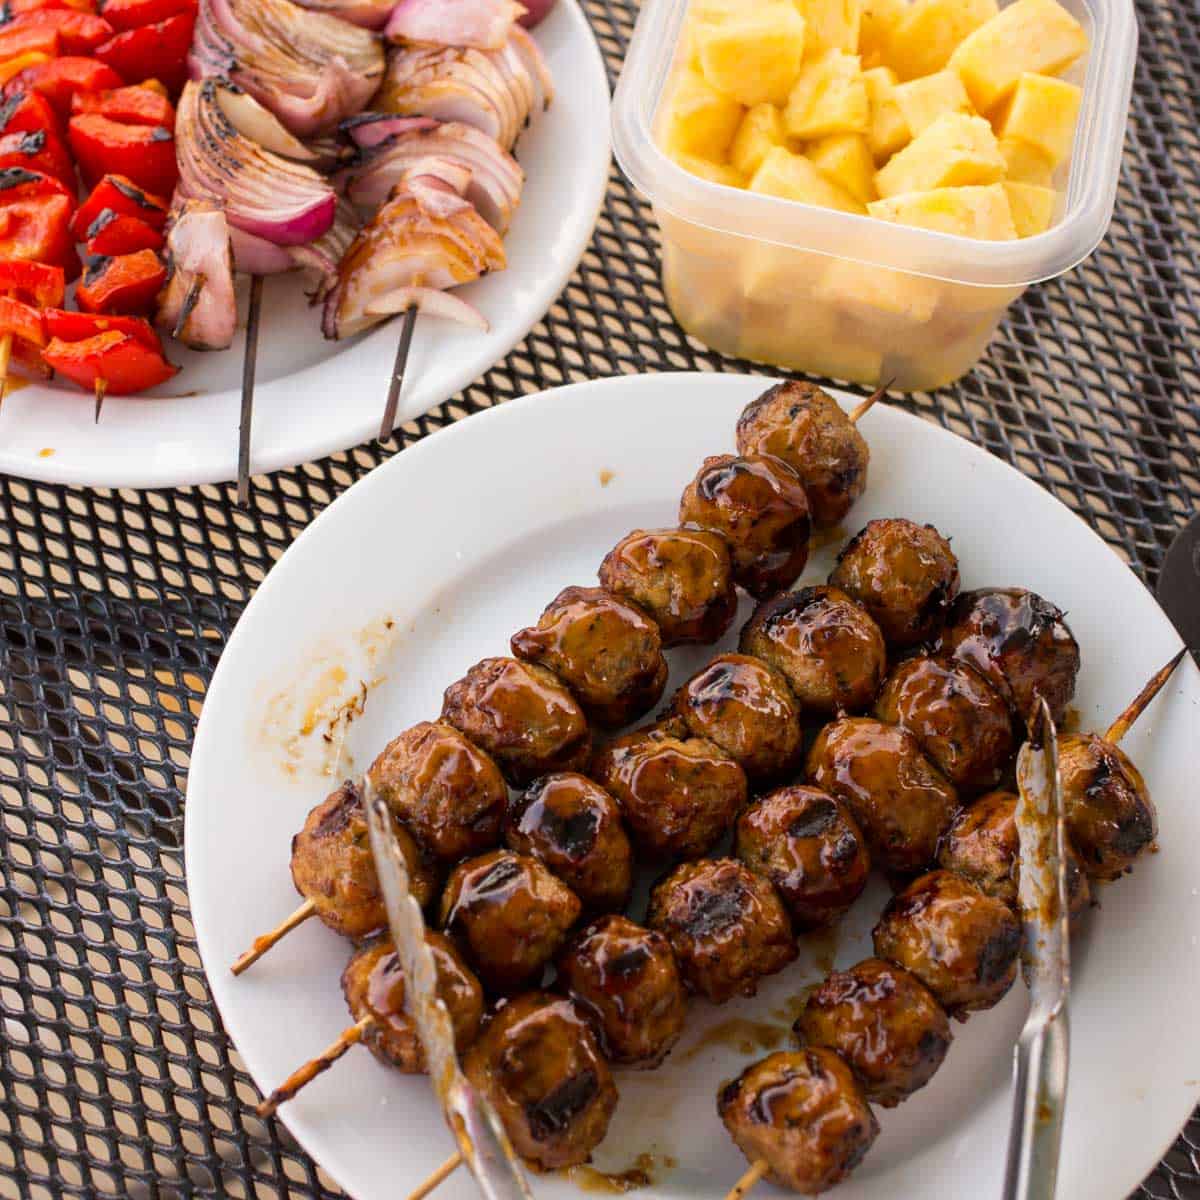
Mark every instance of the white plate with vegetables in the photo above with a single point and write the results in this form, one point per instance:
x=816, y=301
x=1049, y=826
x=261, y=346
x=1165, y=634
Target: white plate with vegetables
x=344, y=646
x=314, y=396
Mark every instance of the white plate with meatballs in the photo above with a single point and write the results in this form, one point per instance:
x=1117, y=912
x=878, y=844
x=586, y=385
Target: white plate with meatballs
x=746, y=773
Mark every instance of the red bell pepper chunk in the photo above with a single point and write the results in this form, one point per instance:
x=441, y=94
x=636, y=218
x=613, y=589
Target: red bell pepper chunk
x=38, y=151
x=111, y=235
x=27, y=112
x=143, y=153
x=36, y=228
x=23, y=6
x=38, y=40
x=20, y=183
x=22, y=324
x=32, y=283
x=125, y=198
x=117, y=361
x=76, y=326
x=78, y=32
x=127, y=283
x=129, y=105
x=157, y=51
x=61, y=78
x=133, y=14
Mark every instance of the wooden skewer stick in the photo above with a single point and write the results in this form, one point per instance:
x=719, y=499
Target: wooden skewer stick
x=1120, y=727
x=398, y=369
x=311, y=1069
x=6, y=343
x=439, y=1176
x=101, y=390
x=872, y=399
x=249, y=366
x=267, y=940
x=757, y=1170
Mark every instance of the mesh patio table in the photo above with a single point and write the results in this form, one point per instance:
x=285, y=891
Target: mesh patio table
x=116, y=1078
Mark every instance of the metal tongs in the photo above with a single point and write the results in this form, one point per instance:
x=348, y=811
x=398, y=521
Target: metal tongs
x=481, y=1139
x=1042, y=1054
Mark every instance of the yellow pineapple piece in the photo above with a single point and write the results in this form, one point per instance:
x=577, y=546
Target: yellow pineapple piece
x=844, y=159
x=831, y=24
x=714, y=172
x=778, y=275
x=880, y=298
x=923, y=100
x=761, y=128
x=1026, y=163
x=700, y=120
x=1032, y=207
x=879, y=21
x=829, y=97
x=1029, y=35
x=956, y=150
x=888, y=130
x=927, y=35
x=754, y=56
x=1041, y=111
x=793, y=177
x=975, y=212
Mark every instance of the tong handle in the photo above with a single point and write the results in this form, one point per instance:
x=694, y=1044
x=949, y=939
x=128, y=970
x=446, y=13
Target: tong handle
x=1039, y=1093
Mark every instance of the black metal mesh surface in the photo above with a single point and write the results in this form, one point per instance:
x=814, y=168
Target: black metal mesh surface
x=115, y=1076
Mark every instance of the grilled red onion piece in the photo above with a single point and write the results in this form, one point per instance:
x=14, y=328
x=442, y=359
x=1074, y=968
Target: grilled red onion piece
x=432, y=303
x=197, y=305
x=261, y=125
x=373, y=128
x=535, y=12
x=483, y=24
x=370, y=14
x=530, y=54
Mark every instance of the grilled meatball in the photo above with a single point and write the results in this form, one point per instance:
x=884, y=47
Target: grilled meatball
x=1019, y=643
x=682, y=577
x=885, y=1024
x=679, y=796
x=539, y=1065
x=900, y=800
x=982, y=845
x=1108, y=811
x=759, y=507
x=806, y=428
x=808, y=845
x=607, y=651
x=522, y=716
x=960, y=943
x=574, y=826
x=747, y=708
x=904, y=574
x=624, y=979
x=827, y=647
x=961, y=721
x=373, y=984
x=332, y=865
x=447, y=791
x=510, y=913
x=726, y=925
x=803, y=1113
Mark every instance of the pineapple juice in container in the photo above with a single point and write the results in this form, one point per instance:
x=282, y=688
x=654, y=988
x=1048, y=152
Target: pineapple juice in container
x=858, y=189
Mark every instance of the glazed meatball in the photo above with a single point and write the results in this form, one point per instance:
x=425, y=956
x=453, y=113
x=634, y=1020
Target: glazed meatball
x=1019, y=643
x=373, y=984
x=332, y=865
x=682, y=577
x=824, y=644
x=961, y=944
x=1108, y=811
x=904, y=574
x=982, y=845
x=803, y=1113
x=679, y=795
x=509, y=913
x=522, y=716
x=806, y=428
x=747, y=708
x=725, y=924
x=884, y=1023
x=539, y=1065
x=809, y=846
x=759, y=507
x=624, y=979
x=574, y=826
x=900, y=800
x=447, y=791
x=961, y=721
x=606, y=650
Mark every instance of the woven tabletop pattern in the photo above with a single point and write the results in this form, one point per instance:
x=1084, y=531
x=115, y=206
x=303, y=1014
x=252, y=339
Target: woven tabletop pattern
x=115, y=1076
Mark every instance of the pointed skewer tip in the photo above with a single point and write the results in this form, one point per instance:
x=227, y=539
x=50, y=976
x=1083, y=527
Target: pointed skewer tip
x=1121, y=726
x=396, y=384
x=249, y=367
x=437, y=1177
x=878, y=394
x=267, y=940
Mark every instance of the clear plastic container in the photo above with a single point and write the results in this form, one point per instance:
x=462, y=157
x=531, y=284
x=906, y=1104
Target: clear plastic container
x=847, y=296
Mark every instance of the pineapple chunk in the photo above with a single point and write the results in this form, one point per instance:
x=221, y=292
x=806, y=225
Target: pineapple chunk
x=761, y=128
x=956, y=150
x=844, y=159
x=754, y=57
x=888, y=131
x=929, y=32
x=700, y=120
x=831, y=24
x=1029, y=35
x=879, y=21
x=1032, y=207
x=714, y=172
x=1042, y=112
x=975, y=212
x=878, y=297
x=779, y=275
x=1026, y=163
x=923, y=100
x=793, y=177
x=829, y=97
